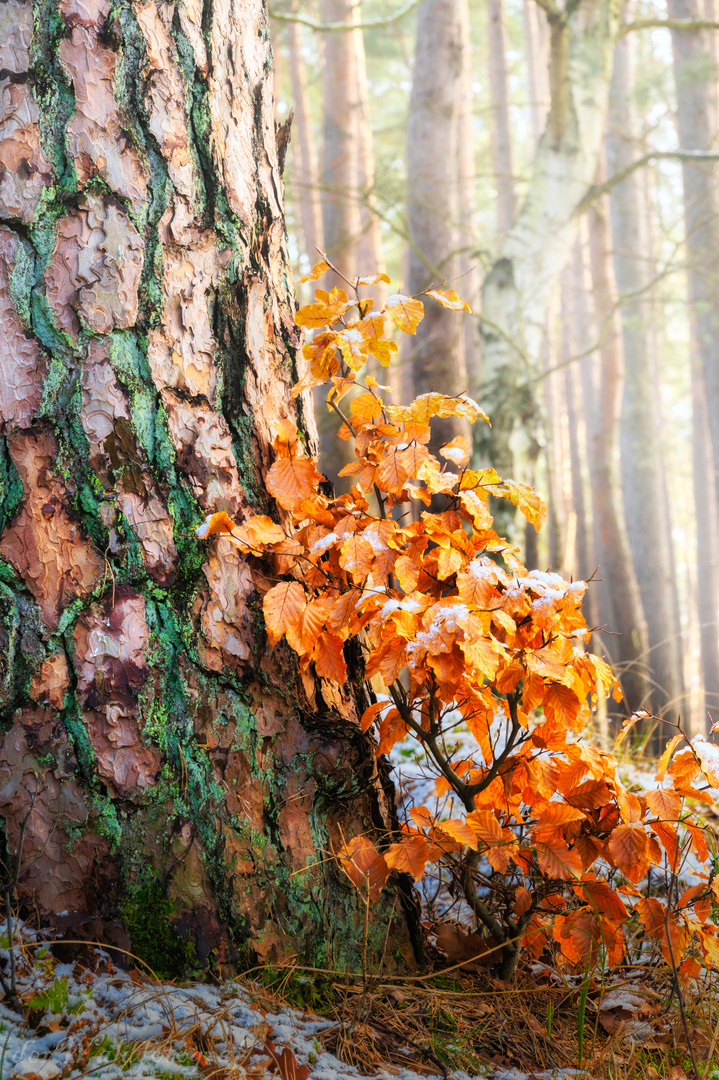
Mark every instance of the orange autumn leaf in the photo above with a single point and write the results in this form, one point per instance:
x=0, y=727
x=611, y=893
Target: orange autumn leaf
x=460, y=831
x=364, y=866
x=259, y=531
x=665, y=803
x=290, y=480
x=214, y=524
x=557, y=860
x=328, y=309
x=329, y=659
x=628, y=847
x=317, y=271
x=409, y=856
x=282, y=606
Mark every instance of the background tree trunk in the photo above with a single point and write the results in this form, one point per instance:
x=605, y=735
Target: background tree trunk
x=500, y=126
x=187, y=785
x=306, y=175
x=626, y=641
x=518, y=286
x=643, y=483
x=370, y=254
x=695, y=79
x=435, y=355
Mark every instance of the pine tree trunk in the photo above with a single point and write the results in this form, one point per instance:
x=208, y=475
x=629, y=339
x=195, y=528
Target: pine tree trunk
x=185, y=787
x=435, y=355
x=306, y=175
x=370, y=253
x=500, y=127
x=626, y=641
x=643, y=484
x=469, y=284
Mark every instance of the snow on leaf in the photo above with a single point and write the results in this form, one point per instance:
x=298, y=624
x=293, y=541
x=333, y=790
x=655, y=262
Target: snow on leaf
x=708, y=754
x=448, y=298
x=405, y=312
x=214, y=524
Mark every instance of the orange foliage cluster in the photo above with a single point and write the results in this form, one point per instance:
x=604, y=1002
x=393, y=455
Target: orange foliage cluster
x=454, y=627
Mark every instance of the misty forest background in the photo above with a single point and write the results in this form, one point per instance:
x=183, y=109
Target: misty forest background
x=415, y=141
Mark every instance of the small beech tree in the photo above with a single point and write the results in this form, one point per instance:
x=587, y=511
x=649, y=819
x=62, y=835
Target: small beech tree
x=549, y=846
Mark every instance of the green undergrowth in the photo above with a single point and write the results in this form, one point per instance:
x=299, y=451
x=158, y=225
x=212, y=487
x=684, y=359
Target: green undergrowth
x=147, y=915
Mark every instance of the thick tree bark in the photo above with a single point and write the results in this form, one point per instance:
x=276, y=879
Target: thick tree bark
x=516, y=290
x=643, y=482
x=626, y=641
x=694, y=70
x=179, y=773
x=435, y=355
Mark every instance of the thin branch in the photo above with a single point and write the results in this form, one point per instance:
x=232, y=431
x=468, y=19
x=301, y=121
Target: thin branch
x=370, y=24
x=668, y=24
x=550, y=9
x=596, y=190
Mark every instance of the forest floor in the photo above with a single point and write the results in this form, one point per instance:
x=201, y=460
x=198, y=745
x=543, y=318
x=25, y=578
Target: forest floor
x=83, y=1016
x=89, y=1018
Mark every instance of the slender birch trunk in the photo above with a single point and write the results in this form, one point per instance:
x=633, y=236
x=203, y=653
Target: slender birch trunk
x=184, y=784
x=516, y=290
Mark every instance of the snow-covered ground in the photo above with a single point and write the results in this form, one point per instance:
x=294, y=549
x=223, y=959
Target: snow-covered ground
x=115, y=1026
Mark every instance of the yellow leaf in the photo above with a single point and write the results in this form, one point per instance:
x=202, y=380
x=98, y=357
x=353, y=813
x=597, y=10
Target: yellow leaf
x=664, y=759
x=373, y=279
x=317, y=271
x=405, y=312
x=379, y=346
x=450, y=299
x=365, y=408
x=329, y=309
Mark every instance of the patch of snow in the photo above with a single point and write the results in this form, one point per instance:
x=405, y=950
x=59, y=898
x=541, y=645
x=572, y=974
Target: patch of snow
x=323, y=543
